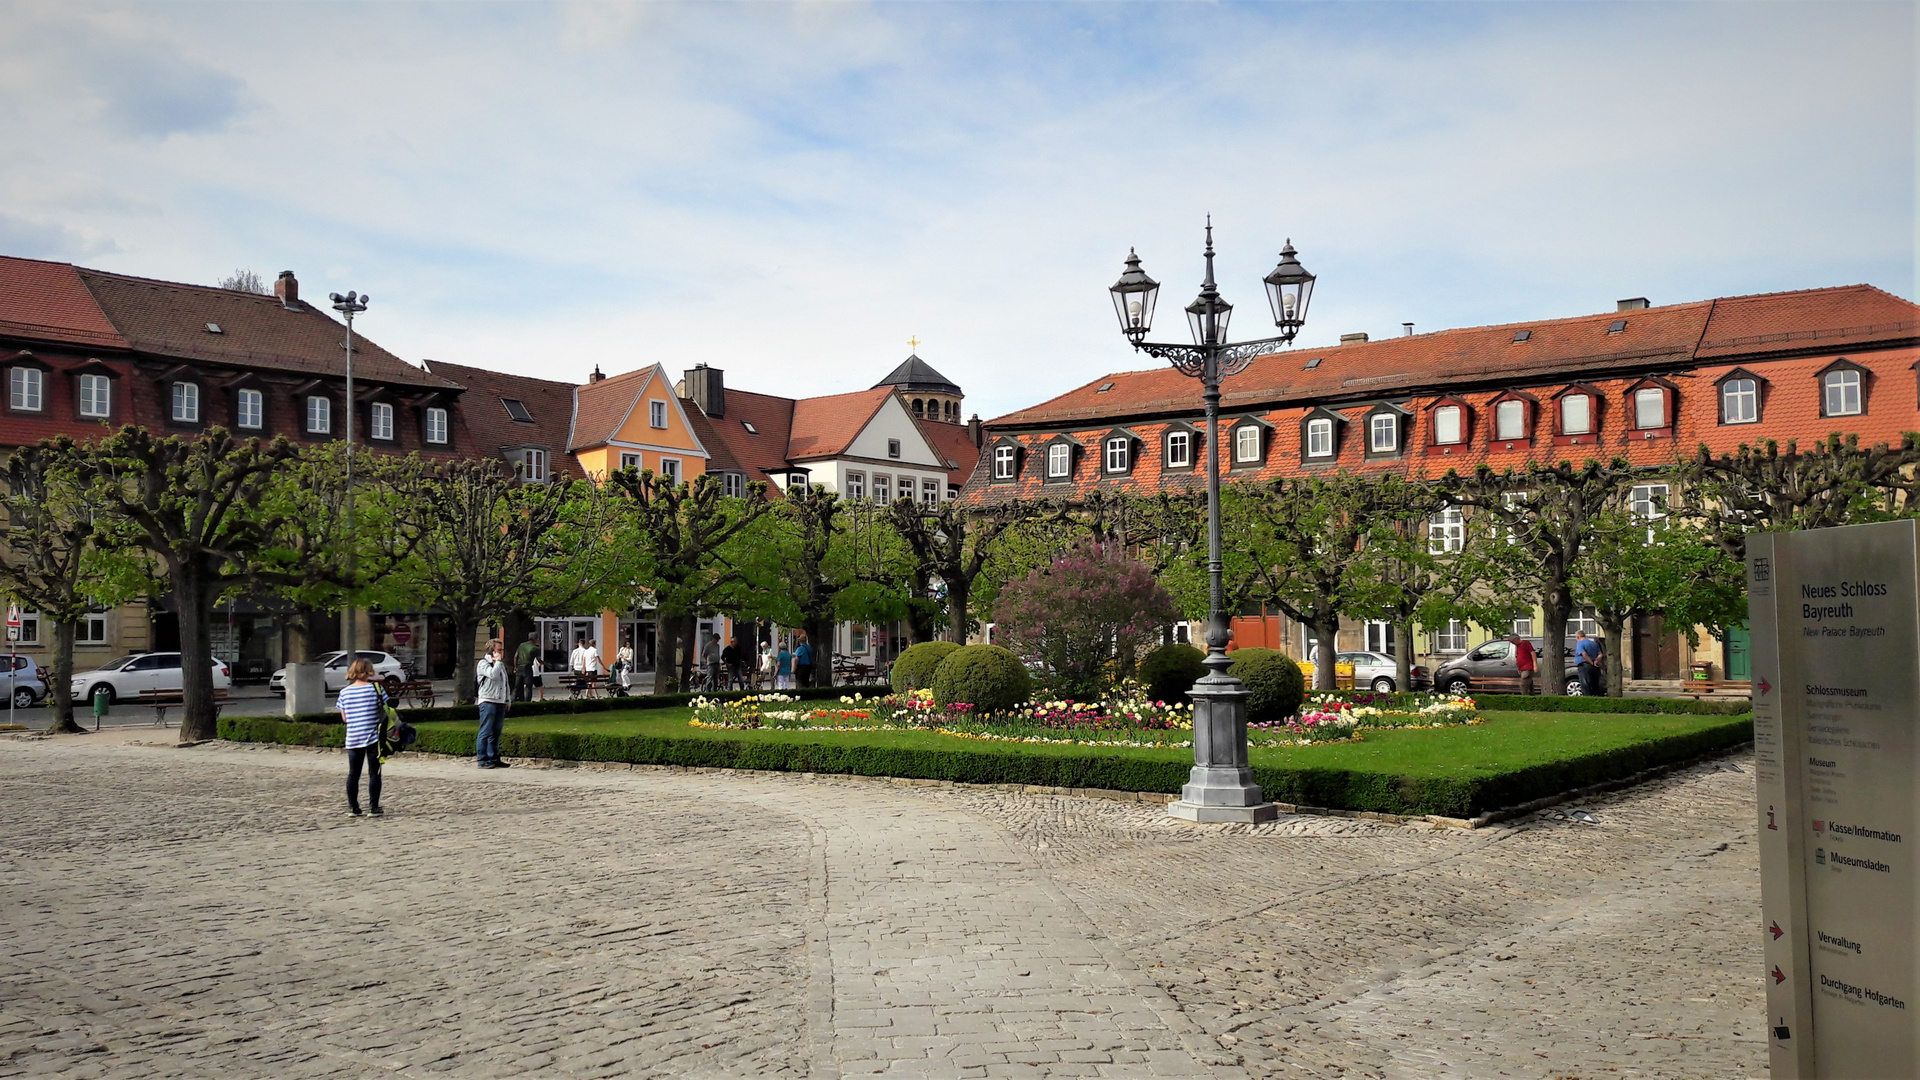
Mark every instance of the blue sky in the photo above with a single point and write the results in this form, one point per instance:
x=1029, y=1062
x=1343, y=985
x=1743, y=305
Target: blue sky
x=792, y=191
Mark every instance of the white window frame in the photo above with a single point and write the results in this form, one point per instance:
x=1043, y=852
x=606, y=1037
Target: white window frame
x=1840, y=393
x=1447, y=531
x=1179, y=449
x=249, y=409
x=185, y=408
x=1059, y=461
x=657, y=414
x=1511, y=409
x=1119, y=454
x=733, y=484
x=1740, y=401
x=856, y=486
x=1523, y=626
x=1003, y=462
x=1383, y=433
x=1442, y=417
x=1246, y=443
x=380, y=421
x=319, y=414
x=27, y=389
x=1380, y=637
x=630, y=459
x=1582, y=620
x=1451, y=638
x=91, y=629
x=1566, y=427
x=96, y=397
x=882, y=489
x=533, y=465
x=1320, y=437
x=929, y=492
x=1658, y=396
x=670, y=468
x=437, y=426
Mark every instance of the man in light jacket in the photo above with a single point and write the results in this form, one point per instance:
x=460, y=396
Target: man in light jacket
x=495, y=692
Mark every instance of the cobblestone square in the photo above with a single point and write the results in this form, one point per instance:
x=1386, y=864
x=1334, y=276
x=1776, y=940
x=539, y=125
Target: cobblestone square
x=213, y=912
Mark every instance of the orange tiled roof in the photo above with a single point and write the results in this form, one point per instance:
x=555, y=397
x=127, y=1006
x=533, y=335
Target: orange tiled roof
x=605, y=405
x=824, y=426
x=763, y=448
x=47, y=301
x=954, y=444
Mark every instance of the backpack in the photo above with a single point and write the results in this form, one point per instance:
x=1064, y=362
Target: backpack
x=395, y=734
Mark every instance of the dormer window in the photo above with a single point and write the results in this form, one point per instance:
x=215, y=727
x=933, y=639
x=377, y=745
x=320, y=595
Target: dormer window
x=436, y=425
x=533, y=465
x=1450, y=425
x=26, y=389
x=1179, y=450
x=1510, y=420
x=1739, y=391
x=249, y=408
x=1003, y=462
x=1119, y=454
x=1576, y=415
x=380, y=421
x=96, y=397
x=319, y=415
x=1059, y=461
x=1320, y=437
x=1246, y=444
x=1383, y=433
x=186, y=403
x=1650, y=408
x=1842, y=390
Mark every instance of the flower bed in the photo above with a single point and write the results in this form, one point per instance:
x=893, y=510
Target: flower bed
x=1344, y=718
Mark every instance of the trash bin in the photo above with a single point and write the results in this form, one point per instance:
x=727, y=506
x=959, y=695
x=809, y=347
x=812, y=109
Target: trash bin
x=1702, y=670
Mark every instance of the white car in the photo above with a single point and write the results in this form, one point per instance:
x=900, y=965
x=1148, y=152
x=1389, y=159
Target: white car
x=334, y=671
x=125, y=678
x=1376, y=671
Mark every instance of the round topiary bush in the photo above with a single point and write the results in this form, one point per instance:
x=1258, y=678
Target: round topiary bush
x=987, y=677
x=913, y=669
x=1171, y=670
x=1275, y=680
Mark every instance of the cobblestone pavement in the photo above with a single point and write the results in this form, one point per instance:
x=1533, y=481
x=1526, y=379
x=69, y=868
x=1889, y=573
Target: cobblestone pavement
x=212, y=912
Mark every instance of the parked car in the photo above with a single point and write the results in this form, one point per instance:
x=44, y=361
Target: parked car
x=1376, y=671
x=1492, y=664
x=29, y=684
x=333, y=671
x=127, y=676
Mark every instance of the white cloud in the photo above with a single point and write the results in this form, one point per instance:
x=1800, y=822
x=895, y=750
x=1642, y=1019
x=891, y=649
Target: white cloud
x=791, y=192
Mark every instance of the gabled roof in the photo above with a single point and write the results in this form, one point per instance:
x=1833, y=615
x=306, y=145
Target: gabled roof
x=720, y=457
x=47, y=301
x=489, y=428
x=603, y=407
x=825, y=426
x=169, y=319
x=953, y=444
x=770, y=416
x=1490, y=355
x=916, y=374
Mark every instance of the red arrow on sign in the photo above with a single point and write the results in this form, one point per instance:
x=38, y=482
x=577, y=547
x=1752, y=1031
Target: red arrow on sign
x=1765, y=686
x=1776, y=931
x=1778, y=975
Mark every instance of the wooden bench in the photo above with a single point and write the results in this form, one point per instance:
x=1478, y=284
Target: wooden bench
x=162, y=700
x=583, y=685
x=420, y=690
x=847, y=669
x=1698, y=689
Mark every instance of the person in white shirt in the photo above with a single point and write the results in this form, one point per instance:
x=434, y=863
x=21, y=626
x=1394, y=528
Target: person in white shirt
x=577, y=662
x=593, y=659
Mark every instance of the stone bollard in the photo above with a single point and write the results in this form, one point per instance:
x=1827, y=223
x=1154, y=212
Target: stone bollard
x=306, y=689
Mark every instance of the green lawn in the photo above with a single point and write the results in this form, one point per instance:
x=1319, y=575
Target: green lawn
x=1506, y=742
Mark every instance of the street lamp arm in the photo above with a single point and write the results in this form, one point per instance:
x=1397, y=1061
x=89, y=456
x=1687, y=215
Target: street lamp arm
x=1233, y=359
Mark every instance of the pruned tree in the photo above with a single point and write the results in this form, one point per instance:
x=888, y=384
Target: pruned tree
x=196, y=505
x=953, y=545
x=1765, y=488
x=689, y=555
x=1641, y=562
x=487, y=545
x=1400, y=570
x=52, y=561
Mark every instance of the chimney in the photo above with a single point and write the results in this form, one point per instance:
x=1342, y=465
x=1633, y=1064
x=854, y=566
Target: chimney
x=975, y=432
x=1409, y=327
x=597, y=374
x=706, y=386
x=1638, y=303
x=287, y=288
x=1353, y=339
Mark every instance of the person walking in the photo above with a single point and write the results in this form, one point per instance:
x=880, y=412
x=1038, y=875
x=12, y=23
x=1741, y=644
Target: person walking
x=1586, y=658
x=623, y=669
x=539, y=678
x=1527, y=659
x=494, y=695
x=769, y=665
x=523, y=663
x=783, y=669
x=577, y=660
x=359, y=705
x=803, y=662
x=710, y=662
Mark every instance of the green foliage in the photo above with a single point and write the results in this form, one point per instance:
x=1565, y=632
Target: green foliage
x=1275, y=680
x=988, y=677
x=1620, y=705
x=1075, y=615
x=913, y=669
x=1171, y=670
x=572, y=706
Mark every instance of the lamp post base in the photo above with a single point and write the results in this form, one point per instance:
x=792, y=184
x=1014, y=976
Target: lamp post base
x=1208, y=815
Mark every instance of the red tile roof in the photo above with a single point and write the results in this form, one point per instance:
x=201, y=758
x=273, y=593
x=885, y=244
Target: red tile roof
x=47, y=301
x=823, y=427
x=168, y=319
x=720, y=457
x=605, y=406
x=954, y=444
x=489, y=428
x=772, y=419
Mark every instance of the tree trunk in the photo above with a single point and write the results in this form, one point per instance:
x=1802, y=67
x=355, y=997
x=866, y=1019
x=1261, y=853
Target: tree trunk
x=1556, y=605
x=958, y=593
x=689, y=648
x=1614, y=626
x=1326, y=631
x=466, y=678
x=300, y=635
x=666, y=655
x=820, y=636
x=60, y=680
x=194, y=587
x=1403, y=656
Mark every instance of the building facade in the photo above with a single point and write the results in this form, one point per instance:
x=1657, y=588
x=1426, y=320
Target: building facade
x=1646, y=383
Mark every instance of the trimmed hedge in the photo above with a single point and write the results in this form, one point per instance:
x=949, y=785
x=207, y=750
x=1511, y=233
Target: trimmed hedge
x=565, y=706
x=987, y=677
x=1170, y=671
x=1276, y=682
x=1643, y=706
x=913, y=669
x=1329, y=788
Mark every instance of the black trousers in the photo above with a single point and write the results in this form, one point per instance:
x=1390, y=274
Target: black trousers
x=370, y=757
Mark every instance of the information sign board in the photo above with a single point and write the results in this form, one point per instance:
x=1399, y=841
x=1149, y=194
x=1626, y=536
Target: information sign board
x=1836, y=691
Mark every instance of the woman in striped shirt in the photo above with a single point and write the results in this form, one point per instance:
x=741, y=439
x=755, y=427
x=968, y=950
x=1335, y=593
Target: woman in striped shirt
x=359, y=706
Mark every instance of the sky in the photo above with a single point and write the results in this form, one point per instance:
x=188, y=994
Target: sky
x=792, y=192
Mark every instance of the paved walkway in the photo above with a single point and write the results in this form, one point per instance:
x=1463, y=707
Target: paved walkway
x=212, y=912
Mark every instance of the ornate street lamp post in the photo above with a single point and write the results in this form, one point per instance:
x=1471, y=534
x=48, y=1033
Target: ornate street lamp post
x=1221, y=787
x=348, y=306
